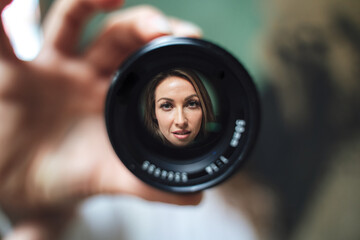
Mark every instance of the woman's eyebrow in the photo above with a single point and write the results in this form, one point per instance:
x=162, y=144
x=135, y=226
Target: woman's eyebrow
x=164, y=98
x=191, y=96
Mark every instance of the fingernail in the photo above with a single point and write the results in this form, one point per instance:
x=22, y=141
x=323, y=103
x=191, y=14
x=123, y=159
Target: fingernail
x=160, y=24
x=188, y=29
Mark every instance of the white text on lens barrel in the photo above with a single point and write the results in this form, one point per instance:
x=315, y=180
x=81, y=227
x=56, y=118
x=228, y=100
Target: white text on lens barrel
x=239, y=129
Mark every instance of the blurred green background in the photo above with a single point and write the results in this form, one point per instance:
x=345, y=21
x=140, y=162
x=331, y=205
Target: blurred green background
x=232, y=24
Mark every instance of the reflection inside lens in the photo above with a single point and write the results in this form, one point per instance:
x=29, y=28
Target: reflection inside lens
x=178, y=108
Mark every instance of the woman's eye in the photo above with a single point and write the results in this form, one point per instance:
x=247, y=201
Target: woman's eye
x=166, y=106
x=193, y=104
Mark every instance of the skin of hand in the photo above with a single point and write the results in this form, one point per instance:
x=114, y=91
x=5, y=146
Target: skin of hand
x=54, y=147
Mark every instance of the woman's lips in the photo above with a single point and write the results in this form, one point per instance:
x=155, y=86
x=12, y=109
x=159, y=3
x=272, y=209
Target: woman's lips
x=182, y=134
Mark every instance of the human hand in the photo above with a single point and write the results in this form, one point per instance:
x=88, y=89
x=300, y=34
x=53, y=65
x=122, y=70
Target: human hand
x=54, y=147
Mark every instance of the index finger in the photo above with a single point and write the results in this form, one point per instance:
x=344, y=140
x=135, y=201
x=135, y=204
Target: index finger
x=66, y=19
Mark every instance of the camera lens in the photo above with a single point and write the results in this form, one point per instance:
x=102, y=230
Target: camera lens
x=182, y=114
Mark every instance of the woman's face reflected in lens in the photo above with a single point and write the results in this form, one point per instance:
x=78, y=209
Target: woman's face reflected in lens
x=178, y=110
x=177, y=107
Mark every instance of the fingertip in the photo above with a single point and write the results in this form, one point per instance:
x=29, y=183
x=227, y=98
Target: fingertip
x=185, y=29
x=153, y=25
x=159, y=24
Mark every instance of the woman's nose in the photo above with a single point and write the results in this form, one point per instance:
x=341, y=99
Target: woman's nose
x=180, y=118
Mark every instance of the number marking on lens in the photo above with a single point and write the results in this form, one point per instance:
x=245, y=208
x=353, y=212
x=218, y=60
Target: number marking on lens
x=239, y=129
x=215, y=166
x=170, y=176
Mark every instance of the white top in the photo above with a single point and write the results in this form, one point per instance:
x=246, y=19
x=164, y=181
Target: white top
x=110, y=218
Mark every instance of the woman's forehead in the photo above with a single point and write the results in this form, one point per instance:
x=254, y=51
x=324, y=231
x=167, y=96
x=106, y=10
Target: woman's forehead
x=174, y=87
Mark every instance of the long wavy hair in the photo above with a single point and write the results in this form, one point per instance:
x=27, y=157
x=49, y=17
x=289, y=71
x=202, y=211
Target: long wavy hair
x=205, y=101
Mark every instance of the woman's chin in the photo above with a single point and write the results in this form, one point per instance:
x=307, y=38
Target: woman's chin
x=180, y=142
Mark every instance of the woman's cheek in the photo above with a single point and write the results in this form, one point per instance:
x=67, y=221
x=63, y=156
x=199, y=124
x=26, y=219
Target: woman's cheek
x=199, y=119
x=196, y=118
x=164, y=119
